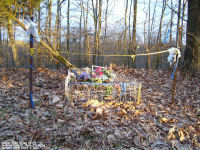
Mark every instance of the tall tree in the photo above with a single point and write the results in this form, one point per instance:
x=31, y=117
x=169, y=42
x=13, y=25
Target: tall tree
x=161, y=21
x=99, y=30
x=183, y=15
x=171, y=22
x=105, y=31
x=153, y=19
x=80, y=30
x=86, y=39
x=134, y=25
x=97, y=10
x=68, y=28
x=50, y=18
x=12, y=40
x=129, y=34
x=192, y=50
x=178, y=22
x=125, y=31
x=149, y=23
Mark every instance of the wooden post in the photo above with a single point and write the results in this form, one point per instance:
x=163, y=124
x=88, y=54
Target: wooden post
x=31, y=70
x=175, y=74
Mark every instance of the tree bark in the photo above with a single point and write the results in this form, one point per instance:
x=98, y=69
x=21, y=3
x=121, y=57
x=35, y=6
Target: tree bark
x=183, y=15
x=134, y=26
x=129, y=34
x=105, y=31
x=68, y=29
x=192, y=50
x=99, y=30
x=12, y=41
x=125, y=32
x=153, y=20
x=94, y=8
x=80, y=34
x=50, y=18
x=178, y=22
x=171, y=22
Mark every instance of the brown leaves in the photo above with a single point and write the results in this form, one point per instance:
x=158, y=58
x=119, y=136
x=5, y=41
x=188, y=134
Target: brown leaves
x=92, y=124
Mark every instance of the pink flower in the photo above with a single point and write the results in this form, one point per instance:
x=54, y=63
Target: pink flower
x=100, y=74
x=97, y=70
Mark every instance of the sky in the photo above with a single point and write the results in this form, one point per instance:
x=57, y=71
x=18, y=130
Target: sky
x=116, y=11
x=116, y=15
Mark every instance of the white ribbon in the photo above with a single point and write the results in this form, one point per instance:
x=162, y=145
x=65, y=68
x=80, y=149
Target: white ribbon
x=172, y=55
x=32, y=29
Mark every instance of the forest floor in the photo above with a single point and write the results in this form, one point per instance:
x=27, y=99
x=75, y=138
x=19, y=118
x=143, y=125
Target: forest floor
x=155, y=123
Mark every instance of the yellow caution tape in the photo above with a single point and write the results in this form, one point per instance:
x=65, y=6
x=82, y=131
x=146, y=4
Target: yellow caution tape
x=31, y=51
x=131, y=55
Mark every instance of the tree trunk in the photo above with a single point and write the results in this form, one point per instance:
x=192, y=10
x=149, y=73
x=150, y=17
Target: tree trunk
x=129, y=34
x=86, y=39
x=171, y=22
x=68, y=26
x=192, y=50
x=46, y=23
x=50, y=18
x=94, y=8
x=125, y=32
x=178, y=22
x=39, y=19
x=153, y=20
x=58, y=20
x=80, y=35
x=159, y=37
x=105, y=32
x=183, y=15
x=134, y=26
x=99, y=30
x=149, y=32
x=12, y=41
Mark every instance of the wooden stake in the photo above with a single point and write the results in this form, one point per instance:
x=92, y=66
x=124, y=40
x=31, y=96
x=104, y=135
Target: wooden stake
x=175, y=74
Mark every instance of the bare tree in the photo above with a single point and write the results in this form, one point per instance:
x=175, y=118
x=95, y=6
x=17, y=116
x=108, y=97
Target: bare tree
x=129, y=29
x=153, y=20
x=97, y=8
x=178, y=22
x=86, y=38
x=105, y=31
x=50, y=18
x=183, y=15
x=12, y=40
x=171, y=21
x=125, y=31
x=134, y=25
x=68, y=28
x=161, y=21
x=80, y=30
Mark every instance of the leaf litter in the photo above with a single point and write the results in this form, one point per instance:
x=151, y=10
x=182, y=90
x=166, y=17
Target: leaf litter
x=152, y=124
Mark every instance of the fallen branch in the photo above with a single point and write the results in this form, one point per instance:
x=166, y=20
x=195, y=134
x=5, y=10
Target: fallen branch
x=52, y=51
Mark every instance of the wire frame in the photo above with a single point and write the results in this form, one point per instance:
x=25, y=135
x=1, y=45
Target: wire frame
x=83, y=91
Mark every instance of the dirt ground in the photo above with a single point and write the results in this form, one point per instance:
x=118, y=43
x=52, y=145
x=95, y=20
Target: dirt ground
x=155, y=123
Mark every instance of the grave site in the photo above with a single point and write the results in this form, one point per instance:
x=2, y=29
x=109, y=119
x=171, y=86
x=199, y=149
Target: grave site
x=79, y=88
